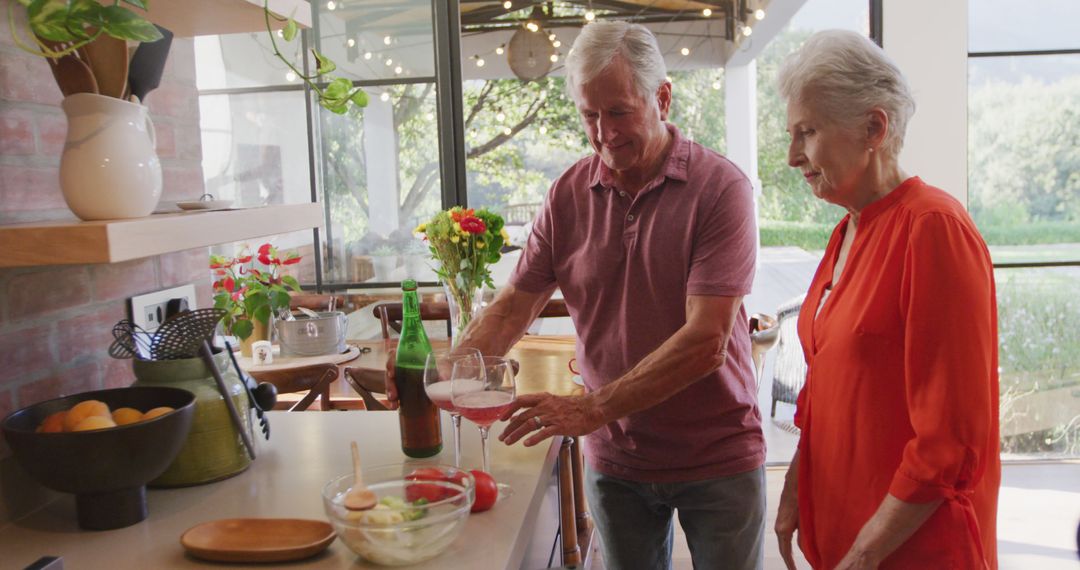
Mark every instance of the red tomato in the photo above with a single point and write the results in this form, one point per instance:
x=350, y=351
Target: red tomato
x=486, y=491
x=417, y=491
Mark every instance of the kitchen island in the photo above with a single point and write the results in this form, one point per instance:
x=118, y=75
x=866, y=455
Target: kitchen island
x=305, y=451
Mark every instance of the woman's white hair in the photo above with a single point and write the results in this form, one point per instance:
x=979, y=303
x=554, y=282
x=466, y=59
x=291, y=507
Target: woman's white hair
x=598, y=44
x=844, y=75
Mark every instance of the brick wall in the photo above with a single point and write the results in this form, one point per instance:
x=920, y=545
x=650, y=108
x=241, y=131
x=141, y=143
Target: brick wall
x=56, y=321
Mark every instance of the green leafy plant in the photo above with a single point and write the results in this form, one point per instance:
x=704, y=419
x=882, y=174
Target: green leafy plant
x=75, y=23
x=247, y=293
x=339, y=93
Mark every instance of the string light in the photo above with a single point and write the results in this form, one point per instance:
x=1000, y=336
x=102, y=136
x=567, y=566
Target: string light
x=384, y=97
x=499, y=50
x=706, y=12
x=508, y=4
x=759, y=14
x=351, y=43
x=746, y=31
x=367, y=55
x=331, y=5
x=590, y=16
x=556, y=43
x=389, y=62
x=290, y=77
x=554, y=58
x=397, y=70
x=479, y=62
x=551, y=37
x=500, y=116
x=386, y=40
x=685, y=51
x=507, y=131
x=543, y=130
x=716, y=84
x=532, y=26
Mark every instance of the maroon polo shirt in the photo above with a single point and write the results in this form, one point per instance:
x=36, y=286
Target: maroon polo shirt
x=625, y=265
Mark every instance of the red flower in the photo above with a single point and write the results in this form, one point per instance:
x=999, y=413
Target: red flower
x=473, y=225
x=228, y=284
x=245, y=259
x=460, y=215
x=291, y=261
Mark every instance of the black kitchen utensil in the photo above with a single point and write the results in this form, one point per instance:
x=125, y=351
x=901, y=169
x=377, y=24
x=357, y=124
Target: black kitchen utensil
x=182, y=335
x=208, y=357
x=131, y=341
x=260, y=403
x=148, y=63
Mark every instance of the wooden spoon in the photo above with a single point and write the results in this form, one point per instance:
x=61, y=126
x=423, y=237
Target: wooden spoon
x=359, y=498
x=107, y=57
x=71, y=73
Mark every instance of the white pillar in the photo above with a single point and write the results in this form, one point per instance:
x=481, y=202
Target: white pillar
x=380, y=155
x=928, y=39
x=740, y=109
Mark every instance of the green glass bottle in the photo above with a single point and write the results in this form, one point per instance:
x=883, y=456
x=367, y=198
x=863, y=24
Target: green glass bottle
x=421, y=433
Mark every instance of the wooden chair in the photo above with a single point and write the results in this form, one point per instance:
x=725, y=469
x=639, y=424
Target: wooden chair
x=314, y=379
x=389, y=314
x=367, y=382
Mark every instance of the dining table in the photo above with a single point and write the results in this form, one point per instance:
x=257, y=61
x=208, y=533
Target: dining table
x=307, y=450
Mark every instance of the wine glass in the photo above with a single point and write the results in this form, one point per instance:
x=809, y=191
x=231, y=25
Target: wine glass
x=483, y=393
x=437, y=372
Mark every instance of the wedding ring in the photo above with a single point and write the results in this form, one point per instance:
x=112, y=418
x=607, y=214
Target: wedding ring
x=538, y=422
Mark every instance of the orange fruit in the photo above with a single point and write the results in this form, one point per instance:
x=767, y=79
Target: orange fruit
x=53, y=424
x=156, y=412
x=83, y=410
x=94, y=422
x=125, y=416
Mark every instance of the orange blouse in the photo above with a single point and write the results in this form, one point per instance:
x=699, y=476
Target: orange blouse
x=901, y=395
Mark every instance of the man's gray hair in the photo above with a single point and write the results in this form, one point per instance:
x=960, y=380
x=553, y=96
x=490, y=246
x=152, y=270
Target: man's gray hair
x=599, y=43
x=844, y=75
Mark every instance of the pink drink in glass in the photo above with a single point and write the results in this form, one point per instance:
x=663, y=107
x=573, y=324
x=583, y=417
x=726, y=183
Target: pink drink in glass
x=439, y=394
x=484, y=408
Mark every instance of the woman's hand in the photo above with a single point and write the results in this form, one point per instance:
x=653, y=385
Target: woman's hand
x=391, y=387
x=857, y=559
x=787, y=515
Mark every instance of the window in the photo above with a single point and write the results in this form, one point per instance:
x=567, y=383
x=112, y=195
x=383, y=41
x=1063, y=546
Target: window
x=1024, y=194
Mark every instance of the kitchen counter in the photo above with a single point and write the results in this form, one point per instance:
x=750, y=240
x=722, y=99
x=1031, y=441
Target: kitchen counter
x=306, y=450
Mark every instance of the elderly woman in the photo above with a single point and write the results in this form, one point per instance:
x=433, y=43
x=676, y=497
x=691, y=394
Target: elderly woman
x=897, y=464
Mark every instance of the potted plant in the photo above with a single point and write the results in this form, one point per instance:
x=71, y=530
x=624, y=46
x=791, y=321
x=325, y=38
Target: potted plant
x=384, y=259
x=251, y=296
x=113, y=171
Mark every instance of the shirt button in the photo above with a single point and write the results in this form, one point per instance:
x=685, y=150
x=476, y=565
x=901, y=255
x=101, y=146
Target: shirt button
x=630, y=217
x=623, y=194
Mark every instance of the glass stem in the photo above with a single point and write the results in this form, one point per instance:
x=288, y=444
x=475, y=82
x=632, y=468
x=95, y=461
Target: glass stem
x=456, y=418
x=484, y=447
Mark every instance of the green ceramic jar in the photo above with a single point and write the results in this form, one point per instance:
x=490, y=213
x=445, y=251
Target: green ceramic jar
x=214, y=449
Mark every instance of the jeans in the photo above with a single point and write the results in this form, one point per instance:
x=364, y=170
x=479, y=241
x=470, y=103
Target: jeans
x=723, y=518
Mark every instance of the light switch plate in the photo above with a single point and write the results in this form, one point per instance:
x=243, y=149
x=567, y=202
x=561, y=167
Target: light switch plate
x=148, y=311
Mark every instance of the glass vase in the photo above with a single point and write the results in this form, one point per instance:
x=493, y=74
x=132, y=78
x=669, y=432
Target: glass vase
x=464, y=305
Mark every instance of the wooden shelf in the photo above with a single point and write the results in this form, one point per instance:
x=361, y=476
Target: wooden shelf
x=110, y=241
x=187, y=18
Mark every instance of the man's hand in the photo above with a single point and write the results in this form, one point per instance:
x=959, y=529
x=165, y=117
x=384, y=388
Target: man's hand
x=391, y=387
x=558, y=415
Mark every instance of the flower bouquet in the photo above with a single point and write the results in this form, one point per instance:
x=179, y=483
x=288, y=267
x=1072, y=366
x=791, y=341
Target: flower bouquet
x=250, y=295
x=464, y=242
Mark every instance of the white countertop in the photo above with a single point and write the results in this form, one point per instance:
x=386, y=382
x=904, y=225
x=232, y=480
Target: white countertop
x=306, y=450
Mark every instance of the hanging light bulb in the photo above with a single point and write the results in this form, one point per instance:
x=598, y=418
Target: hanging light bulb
x=387, y=40
x=590, y=16
x=716, y=84
x=430, y=116
x=290, y=76
x=508, y=4
x=389, y=62
x=556, y=43
x=554, y=58
x=331, y=5
x=479, y=62
x=499, y=50
x=500, y=116
x=685, y=51
x=759, y=14
x=706, y=12
x=397, y=70
x=351, y=43
x=368, y=55
x=551, y=37
x=543, y=130
x=384, y=97
x=747, y=30
x=507, y=131
x=532, y=26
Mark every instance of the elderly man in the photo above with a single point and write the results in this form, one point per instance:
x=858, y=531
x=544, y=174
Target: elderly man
x=651, y=241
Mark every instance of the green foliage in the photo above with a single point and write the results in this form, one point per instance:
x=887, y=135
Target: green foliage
x=807, y=235
x=248, y=293
x=76, y=23
x=1024, y=152
x=339, y=95
x=1031, y=233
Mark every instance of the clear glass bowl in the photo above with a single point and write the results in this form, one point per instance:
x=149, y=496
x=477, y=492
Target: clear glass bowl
x=398, y=531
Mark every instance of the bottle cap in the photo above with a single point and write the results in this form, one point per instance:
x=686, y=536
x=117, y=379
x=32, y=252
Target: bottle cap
x=408, y=285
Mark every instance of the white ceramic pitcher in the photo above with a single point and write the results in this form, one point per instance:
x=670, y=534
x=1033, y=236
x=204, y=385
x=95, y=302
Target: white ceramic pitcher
x=109, y=168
